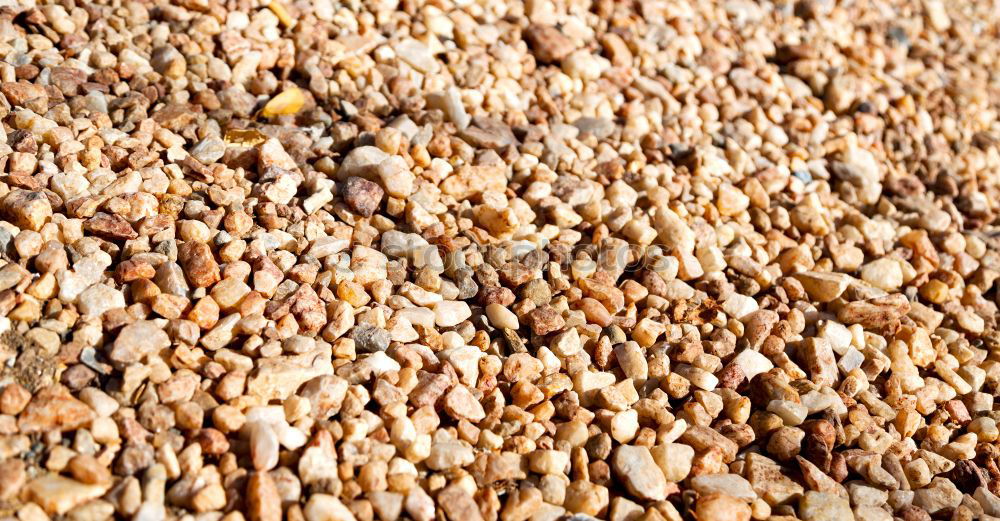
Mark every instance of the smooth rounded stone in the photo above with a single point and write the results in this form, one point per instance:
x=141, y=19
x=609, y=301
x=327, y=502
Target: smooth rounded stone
x=370, y=339
x=732, y=485
x=263, y=446
x=625, y=425
x=450, y=313
x=501, y=317
x=883, y=273
x=632, y=361
x=324, y=507
x=635, y=467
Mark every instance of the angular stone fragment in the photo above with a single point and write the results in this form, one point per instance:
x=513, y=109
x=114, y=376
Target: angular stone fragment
x=110, y=226
x=821, y=286
x=54, y=408
x=26, y=209
x=817, y=357
x=361, y=195
x=877, y=312
x=199, y=264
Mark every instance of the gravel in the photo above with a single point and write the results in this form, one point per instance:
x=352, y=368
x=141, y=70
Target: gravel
x=515, y=261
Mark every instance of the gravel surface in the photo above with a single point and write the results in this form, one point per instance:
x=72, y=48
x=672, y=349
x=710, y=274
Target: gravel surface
x=470, y=260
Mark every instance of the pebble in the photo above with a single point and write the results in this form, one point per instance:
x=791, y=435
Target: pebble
x=636, y=468
x=361, y=195
x=450, y=313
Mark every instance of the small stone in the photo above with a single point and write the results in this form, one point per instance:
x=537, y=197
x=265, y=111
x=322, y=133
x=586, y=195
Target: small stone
x=200, y=266
x=817, y=356
x=449, y=454
x=12, y=478
x=361, y=195
x=26, y=209
x=263, y=499
x=324, y=507
x=209, y=150
x=636, y=468
x=501, y=317
x=939, y=495
x=137, y=340
x=875, y=312
x=370, y=339
x=450, y=313
x=97, y=299
x=731, y=485
x=460, y=404
x=458, y=504
x=54, y=408
x=545, y=320
x=87, y=469
x=823, y=287
x=263, y=445
x=417, y=55
x=548, y=43
x=883, y=273
x=820, y=506
x=449, y=101
x=58, y=495
x=111, y=227
x=721, y=507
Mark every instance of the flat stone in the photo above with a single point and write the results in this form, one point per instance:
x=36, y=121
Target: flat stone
x=58, y=495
